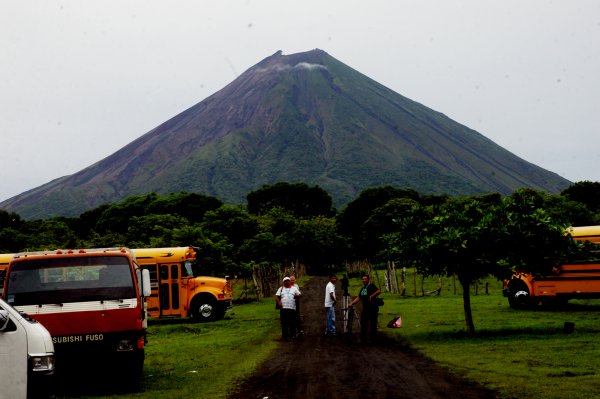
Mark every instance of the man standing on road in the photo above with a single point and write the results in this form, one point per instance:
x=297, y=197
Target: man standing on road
x=330, y=305
x=286, y=299
x=368, y=316
x=299, y=328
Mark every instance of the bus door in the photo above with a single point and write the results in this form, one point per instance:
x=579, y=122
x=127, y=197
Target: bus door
x=169, y=283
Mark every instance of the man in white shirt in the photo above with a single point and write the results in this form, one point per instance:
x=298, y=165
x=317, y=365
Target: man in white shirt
x=286, y=299
x=330, y=305
x=299, y=328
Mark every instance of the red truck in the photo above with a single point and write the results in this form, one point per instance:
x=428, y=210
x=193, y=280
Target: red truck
x=92, y=303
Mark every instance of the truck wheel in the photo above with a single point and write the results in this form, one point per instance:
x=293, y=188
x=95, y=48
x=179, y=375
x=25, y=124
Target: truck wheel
x=136, y=373
x=205, y=310
x=518, y=297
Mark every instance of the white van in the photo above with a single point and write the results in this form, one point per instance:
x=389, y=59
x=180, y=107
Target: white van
x=26, y=356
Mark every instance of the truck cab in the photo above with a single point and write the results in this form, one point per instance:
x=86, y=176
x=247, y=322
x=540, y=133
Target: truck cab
x=26, y=356
x=92, y=301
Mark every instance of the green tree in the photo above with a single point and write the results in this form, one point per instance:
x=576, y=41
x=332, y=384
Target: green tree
x=402, y=243
x=460, y=241
x=298, y=198
x=355, y=214
x=10, y=220
x=115, y=218
x=50, y=234
x=11, y=237
x=217, y=256
x=396, y=216
x=530, y=237
x=108, y=240
x=264, y=247
x=569, y=212
x=587, y=193
x=192, y=206
x=486, y=235
x=273, y=242
x=154, y=230
x=85, y=227
x=12, y=240
x=232, y=222
x=316, y=243
x=224, y=232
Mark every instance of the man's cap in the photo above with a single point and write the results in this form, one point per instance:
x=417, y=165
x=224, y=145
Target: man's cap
x=286, y=279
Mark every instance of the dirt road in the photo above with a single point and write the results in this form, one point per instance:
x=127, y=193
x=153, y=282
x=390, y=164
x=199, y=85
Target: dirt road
x=317, y=366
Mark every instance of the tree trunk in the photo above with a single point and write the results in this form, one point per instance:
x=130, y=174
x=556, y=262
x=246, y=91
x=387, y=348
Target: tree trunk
x=415, y=283
x=403, y=281
x=454, y=283
x=466, y=286
x=388, y=285
x=396, y=278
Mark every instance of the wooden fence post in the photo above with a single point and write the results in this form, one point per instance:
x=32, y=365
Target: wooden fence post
x=403, y=281
x=415, y=283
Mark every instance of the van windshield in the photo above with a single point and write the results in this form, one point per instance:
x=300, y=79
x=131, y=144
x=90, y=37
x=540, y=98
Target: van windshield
x=74, y=279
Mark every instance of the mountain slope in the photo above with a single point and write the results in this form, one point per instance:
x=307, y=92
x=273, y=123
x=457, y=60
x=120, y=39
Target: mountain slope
x=300, y=117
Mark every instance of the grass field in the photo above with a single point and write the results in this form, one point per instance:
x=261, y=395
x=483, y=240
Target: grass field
x=204, y=359
x=522, y=354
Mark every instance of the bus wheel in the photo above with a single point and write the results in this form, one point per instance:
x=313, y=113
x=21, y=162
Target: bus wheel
x=205, y=310
x=519, y=297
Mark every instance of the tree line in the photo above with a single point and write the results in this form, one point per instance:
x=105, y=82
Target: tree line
x=470, y=237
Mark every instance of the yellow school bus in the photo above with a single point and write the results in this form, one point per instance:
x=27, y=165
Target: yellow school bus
x=585, y=233
x=176, y=292
x=568, y=280
x=4, y=261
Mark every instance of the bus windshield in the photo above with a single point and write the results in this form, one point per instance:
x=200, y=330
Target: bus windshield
x=74, y=279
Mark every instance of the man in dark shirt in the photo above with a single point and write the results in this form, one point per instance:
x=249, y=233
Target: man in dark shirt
x=368, y=316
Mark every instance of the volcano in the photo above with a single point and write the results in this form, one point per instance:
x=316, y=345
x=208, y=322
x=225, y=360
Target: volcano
x=304, y=117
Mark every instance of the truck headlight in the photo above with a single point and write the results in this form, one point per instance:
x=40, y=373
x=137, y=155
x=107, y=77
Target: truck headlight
x=125, y=345
x=42, y=362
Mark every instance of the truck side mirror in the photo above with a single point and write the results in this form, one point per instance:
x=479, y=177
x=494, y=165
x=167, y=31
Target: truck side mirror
x=146, y=290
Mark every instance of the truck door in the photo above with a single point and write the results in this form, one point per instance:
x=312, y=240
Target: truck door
x=170, y=281
x=13, y=353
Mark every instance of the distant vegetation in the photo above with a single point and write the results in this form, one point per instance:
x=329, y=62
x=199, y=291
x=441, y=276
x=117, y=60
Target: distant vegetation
x=468, y=237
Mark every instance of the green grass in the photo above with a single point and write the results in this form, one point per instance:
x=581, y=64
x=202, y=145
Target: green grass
x=187, y=359
x=519, y=353
x=204, y=360
x=522, y=354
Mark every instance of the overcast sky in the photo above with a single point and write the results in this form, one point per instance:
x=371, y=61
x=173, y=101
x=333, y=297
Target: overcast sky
x=81, y=79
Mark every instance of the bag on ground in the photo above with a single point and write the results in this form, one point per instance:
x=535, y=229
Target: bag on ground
x=396, y=322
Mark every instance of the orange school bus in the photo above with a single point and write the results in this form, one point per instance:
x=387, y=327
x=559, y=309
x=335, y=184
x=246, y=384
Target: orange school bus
x=4, y=261
x=176, y=292
x=568, y=280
